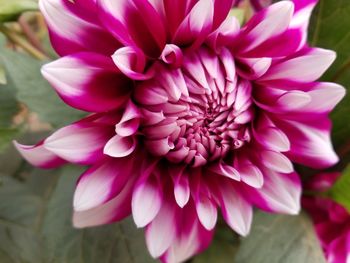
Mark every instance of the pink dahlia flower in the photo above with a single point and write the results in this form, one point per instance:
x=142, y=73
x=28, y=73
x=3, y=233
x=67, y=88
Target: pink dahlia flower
x=332, y=221
x=189, y=113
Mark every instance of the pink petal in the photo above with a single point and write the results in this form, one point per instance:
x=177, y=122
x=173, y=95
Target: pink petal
x=132, y=63
x=101, y=183
x=134, y=23
x=120, y=146
x=310, y=145
x=75, y=28
x=273, y=138
x=253, y=68
x=237, y=212
x=251, y=175
x=172, y=55
x=78, y=80
x=206, y=211
x=192, y=238
x=197, y=25
x=306, y=68
x=146, y=201
x=301, y=17
x=324, y=97
x=114, y=210
x=280, y=193
x=276, y=161
x=161, y=232
x=182, y=189
x=38, y=156
x=80, y=143
x=130, y=120
x=266, y=24
x=225, y=170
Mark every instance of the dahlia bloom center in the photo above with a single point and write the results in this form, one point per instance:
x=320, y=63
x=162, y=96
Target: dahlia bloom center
x=196, y=113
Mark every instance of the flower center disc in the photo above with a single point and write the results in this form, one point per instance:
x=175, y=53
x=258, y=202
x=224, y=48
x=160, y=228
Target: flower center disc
x=197, y=113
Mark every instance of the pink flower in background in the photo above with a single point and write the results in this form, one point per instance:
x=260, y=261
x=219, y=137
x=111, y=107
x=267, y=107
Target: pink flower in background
x=189, y=113
x=332, y=221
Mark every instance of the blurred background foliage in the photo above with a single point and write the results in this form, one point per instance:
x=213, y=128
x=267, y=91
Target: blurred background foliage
x=35, y=205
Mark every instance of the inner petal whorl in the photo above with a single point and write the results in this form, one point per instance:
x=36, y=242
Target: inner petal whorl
x=197, y=113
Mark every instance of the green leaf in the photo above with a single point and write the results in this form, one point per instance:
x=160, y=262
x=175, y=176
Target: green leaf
x=35, y=224
x=9, y=107
x=11, y=9
x=280, y=238
x=2, y=75
x=34, y=91
x=330, y=29
x=6, y=136
x=222, y=249
x=340, y=190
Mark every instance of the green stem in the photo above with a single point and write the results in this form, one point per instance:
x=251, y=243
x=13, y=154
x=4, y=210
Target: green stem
x=20, y=41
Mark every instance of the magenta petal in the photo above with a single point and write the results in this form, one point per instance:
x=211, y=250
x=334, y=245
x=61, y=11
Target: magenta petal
x=78, y=80
x=301, y=17
x=266, y=24
x=192, y=238
x=197, y=25
x=101, y=183
x=134, y=23
x=38, y=156
x=114, y=210
x=75, y=28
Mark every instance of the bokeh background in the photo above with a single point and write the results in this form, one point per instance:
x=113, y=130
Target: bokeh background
x=36, y=205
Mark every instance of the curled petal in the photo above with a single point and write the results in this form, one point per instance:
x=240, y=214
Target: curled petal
x=172, y=55
x=120, y=146
x=131, y=62
x=130, y=121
